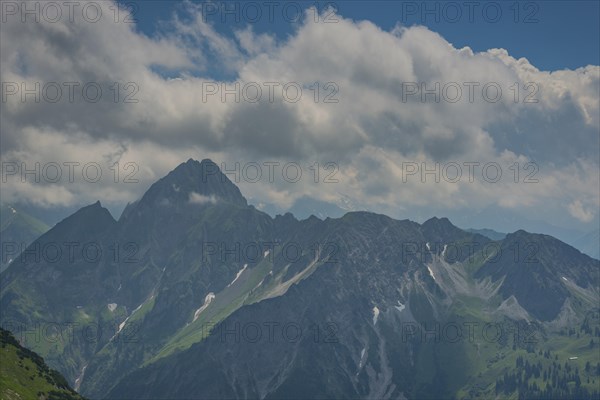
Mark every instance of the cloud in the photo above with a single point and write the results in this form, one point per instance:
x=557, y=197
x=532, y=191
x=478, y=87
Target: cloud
x=578, y=211
x=371, y=131
x=200, y=199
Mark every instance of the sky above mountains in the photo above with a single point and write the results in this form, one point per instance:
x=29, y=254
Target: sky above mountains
x=372, y=106
x=548, y=33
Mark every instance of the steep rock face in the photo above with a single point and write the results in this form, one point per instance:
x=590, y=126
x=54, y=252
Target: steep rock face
x=49, y=260
x=194, y=229
x=70, y=275
x=47, y=288
x=205, y=260
x=174, y=204
x=190, y=183
x=360, y=303
x=440, y=232
x=309, y=341
x=336, y=334
x=539, y=270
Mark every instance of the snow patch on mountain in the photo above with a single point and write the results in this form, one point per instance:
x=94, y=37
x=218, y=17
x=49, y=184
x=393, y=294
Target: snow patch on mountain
x=238, y=274
x=122, y=324
x=282, y=287
x=207, y=300
x=80, y=378
x=430, y=272
x=259, y=284
x=375, y=314
x=400, y=306
x=362, y=359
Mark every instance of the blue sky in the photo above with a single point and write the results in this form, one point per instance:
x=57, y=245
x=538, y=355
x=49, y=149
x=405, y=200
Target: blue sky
x=550, y=34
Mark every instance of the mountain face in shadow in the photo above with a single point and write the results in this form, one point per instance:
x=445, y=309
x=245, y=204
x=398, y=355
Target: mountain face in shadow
x=193, y=293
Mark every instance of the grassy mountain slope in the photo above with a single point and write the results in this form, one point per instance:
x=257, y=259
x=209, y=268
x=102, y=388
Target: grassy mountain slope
x=17, y=230
x=25, y=375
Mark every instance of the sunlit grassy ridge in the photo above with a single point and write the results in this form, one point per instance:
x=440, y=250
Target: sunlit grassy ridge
x=25, y=375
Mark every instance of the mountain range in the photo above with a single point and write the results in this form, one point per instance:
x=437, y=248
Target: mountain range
x=194, y=293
